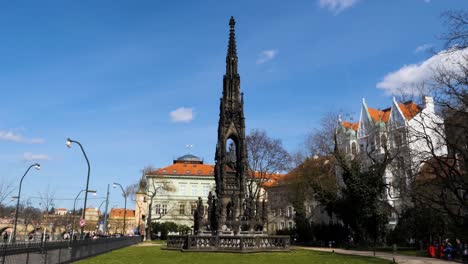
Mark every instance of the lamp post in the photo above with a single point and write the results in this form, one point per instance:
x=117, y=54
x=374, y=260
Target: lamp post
x=125, y=206
x=38, y=167
x=69, y=143
x=74, y=206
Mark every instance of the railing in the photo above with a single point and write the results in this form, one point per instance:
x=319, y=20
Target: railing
x=229, y=243
x=56, y=252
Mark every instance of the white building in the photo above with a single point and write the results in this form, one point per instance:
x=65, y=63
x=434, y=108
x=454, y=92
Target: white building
x=403, y=129
x=177, y=188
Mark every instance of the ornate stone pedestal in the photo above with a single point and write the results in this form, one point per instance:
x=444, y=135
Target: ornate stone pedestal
x=240, y=243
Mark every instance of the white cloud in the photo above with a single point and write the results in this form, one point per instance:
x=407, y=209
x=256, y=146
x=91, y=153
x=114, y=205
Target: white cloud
x=28, y=156
x=423, y=47
x=336, y=6
x=409, y=79
x=266, y=55
x=13, y=137
x=182, y=114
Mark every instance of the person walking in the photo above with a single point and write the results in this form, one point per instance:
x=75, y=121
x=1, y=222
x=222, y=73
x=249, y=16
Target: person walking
x=5, y=237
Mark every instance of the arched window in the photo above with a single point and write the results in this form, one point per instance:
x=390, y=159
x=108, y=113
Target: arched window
x=383, y=140
x=353, y=148
x=231, y=150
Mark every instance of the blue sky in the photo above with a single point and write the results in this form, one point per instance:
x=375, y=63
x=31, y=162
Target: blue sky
x=109, y=74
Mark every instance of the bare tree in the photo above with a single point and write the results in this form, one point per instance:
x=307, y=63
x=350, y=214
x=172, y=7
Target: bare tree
x=266, y=158
x=153, y=184
x=442, y=181
x=6, y=189
x=47, y=198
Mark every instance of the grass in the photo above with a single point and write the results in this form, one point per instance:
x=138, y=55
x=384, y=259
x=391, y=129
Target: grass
x=154, y=254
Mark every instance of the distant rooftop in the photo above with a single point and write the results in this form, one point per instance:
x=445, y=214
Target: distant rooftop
x=189, y=159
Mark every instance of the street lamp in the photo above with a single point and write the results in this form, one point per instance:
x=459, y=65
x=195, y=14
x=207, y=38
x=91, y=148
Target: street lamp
x=74, y=206
x=125, y=206
x=69, y=143
x=38, y=167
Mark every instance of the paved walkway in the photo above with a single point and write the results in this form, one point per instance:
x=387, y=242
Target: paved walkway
x=400, y=259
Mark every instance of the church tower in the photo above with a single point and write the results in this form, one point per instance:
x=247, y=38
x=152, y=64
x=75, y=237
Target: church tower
x=231, y=159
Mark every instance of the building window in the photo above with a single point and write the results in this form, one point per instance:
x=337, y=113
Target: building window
x=194, y=190
x=353, y=148
x=383, y=140
x=282, y=225
x=372, y=144
x=290, y=211
x=398, y=140
x=193, y=208
x=311, y=208
x=199, y=172
x=164, y=209
x=187, y=172
x=281, y=212
x=182, y=209
x=274, y=212
x=158, y=209
x=206, y=190
x=377, y=141
x=290, y=225
x=183, y=188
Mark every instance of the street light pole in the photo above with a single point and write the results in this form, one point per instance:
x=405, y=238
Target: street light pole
x=125, y=206
x=38, y=167
x=105, y=212
x=69, y=143
x=74, y=206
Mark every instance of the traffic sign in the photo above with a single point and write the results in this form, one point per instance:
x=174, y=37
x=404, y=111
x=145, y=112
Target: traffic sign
x=82, y=222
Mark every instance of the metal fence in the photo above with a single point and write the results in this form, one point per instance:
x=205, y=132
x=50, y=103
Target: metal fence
x=56, y=252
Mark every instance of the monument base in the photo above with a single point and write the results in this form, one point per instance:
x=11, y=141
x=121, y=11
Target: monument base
x=220, y=243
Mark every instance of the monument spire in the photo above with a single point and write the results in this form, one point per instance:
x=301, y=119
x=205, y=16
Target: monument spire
x=231, y=58
x=231, y=160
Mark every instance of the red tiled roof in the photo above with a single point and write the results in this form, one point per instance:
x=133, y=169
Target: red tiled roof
x=119, y=212
x=409, y=109
x=379, y=115
x=353, y=126
x=187, y=170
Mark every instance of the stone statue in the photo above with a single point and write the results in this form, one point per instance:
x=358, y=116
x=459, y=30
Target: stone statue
x=198, y=216
x=210, y=209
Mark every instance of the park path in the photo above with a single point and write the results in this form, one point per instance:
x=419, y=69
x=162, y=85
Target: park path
x=400, y=259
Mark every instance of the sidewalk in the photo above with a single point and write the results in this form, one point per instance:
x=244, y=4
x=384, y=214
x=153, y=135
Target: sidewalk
x=400, y=259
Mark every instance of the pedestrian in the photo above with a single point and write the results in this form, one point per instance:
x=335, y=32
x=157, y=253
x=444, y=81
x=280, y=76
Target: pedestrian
x=458, y=249
x=431, y=251
x=441, y=250
x=5, y=237
x=448, y=251
x=465, y=254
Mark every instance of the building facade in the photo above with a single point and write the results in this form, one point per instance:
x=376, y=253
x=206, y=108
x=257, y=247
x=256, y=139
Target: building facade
x=173, y=191
x=402, y=131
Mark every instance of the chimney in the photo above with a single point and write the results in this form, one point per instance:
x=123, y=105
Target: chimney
x=428, y=103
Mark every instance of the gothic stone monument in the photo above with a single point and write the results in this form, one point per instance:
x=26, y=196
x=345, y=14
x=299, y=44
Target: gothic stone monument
x=233, y=221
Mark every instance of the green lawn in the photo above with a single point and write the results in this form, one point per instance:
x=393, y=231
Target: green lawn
x=154, y=254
